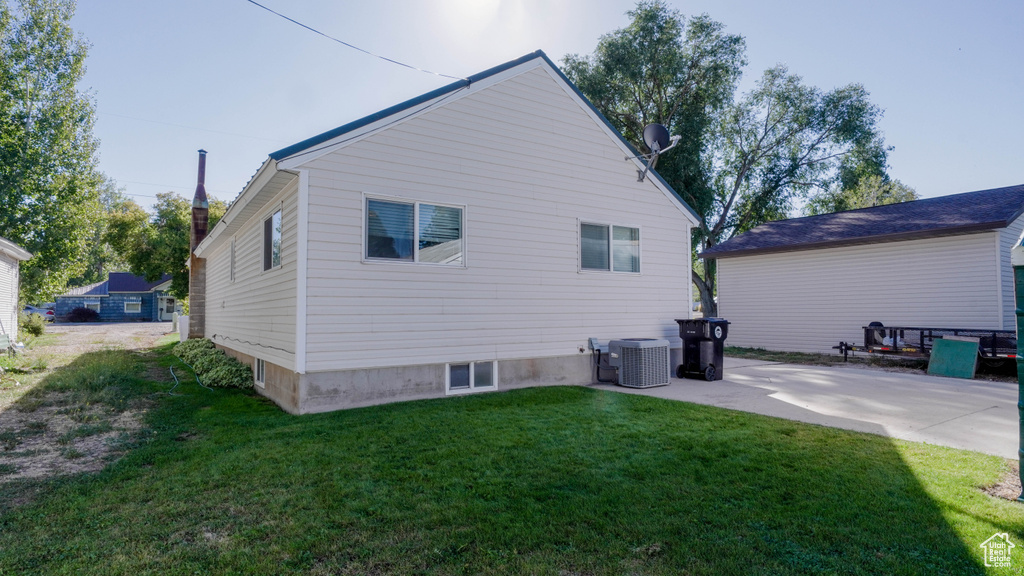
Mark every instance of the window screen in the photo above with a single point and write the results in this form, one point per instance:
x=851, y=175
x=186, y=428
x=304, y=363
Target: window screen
x=593, y=247
x=625, y=249
x=458, y=376
x=440, y=238
x=389, y=230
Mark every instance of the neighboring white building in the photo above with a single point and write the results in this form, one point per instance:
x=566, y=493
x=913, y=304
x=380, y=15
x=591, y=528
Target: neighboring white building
x=10, y=257
x=805, y=284
x=470, y=239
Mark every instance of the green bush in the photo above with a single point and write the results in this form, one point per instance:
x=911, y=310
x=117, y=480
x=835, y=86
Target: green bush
x=214, y=367
x=31, y=324
x=192, y=349
x=83, y=315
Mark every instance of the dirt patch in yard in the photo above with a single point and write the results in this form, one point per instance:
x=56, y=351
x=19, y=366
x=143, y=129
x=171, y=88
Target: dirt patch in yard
x=43, y=435
x=1009, y=487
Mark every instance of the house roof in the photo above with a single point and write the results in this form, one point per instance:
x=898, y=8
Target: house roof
x=118, y=282
x=932, y=217
x=126, y=282
x=13, y=250
x=97, y=289
x=278, y=170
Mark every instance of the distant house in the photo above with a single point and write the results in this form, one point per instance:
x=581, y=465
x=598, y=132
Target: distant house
x=122, y=297
x=11, y=256
x=805, y=284
x=469, y=240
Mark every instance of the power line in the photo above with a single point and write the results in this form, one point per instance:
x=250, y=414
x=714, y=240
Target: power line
x=191, y=127
x=342, y=42
x=170, y=186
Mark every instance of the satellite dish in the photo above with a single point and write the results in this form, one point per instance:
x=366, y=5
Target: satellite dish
x=658, y=141
x=656, y=137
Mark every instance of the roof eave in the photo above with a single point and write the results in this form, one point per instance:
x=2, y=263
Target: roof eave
x=13, y=250
x=880, y=239
x=238, y=213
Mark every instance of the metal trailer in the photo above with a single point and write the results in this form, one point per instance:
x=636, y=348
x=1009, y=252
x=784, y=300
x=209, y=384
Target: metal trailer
x=994, y=346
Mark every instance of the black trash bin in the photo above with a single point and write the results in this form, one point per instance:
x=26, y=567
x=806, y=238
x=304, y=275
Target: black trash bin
x=703, y=347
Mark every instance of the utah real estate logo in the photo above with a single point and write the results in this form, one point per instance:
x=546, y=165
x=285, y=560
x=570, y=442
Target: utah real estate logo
x=997, y=550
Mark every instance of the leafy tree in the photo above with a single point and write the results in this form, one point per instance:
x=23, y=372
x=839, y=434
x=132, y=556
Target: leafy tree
x=747, y=158
x=158, y=243
x=665, y=69
x=48, y=177
x=100, y=257
x=871, y=191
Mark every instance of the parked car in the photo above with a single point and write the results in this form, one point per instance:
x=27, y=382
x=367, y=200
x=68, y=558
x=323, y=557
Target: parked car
x=46, y=314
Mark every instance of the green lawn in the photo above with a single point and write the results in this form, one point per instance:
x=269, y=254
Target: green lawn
x=562, y=481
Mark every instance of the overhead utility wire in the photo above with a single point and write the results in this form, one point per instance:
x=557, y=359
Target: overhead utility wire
x=342, y=42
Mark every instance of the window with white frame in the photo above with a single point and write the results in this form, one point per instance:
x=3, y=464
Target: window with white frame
x=470, y=377
x=93, y=305
x=272, y=241
x=406, y=231
x=132, y=307
x=260, y=372
x=609, y=248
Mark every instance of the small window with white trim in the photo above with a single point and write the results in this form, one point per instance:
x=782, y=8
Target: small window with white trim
x=604, y=247
x=405, y=231
x=259, y=372
x=132, y=307
x=471, y=377
x=93, y=305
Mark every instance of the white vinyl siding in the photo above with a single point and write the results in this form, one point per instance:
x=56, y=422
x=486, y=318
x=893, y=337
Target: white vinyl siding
x=810, y=300
x=9, y=295
x=255, y=314
x=1007, y=239
x=502, y=154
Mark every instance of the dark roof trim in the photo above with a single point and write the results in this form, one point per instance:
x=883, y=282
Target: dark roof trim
x=284, y=153
x=713, y=254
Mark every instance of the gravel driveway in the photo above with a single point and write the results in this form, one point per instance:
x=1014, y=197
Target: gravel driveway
x=89, y=336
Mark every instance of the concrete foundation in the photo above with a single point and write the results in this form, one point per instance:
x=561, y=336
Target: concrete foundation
x=280, y=384
x=337, y=390
x=327, y=391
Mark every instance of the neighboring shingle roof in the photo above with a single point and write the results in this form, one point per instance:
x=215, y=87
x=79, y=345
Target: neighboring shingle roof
x=928, y=218
x=117, y=282
x=97, y=289
x=125, y=282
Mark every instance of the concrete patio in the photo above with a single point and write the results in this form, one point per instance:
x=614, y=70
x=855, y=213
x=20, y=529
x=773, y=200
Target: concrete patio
x=974, y=415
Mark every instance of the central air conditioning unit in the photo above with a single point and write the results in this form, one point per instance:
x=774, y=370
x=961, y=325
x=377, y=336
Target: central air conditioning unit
x=641, y=362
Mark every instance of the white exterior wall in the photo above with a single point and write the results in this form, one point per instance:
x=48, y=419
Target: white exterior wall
x=256, y=313
x=528, y=164
x=9, y=295
x=810, y=300
x=1007, y=239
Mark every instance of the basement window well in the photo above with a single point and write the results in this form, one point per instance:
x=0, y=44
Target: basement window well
x=471, y=377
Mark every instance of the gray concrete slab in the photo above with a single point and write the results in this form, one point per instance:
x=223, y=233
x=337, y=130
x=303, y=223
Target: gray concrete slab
x=970, y=414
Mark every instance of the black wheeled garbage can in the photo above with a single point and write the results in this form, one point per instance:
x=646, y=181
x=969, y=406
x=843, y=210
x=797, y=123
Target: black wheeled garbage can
x=703, y=347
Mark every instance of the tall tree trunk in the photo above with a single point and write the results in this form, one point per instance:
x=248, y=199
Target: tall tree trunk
x=706, y=287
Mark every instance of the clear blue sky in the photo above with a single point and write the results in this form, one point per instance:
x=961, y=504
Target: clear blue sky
x=223, y=75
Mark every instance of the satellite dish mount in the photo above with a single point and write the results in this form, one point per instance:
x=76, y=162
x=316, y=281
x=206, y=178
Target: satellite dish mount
x=658, y=142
